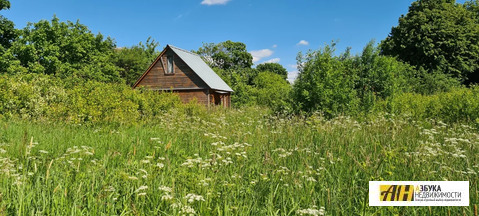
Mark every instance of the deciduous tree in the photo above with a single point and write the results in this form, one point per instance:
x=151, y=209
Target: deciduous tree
x=273, y=67
x=226, y=55
x=439, y=36
x=65, y=49
x=135, y=60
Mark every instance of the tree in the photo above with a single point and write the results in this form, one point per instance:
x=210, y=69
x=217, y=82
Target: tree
x=346, y=85
x=232, y=62
x=226, y=55
x=377, y=77
x=273, y=67
x=7, y=32
x=439, y=36
x=322, y=83
x=4, y=4
x=7, y=28
x=66, y=50
x=135, y=60
x=241, y=81
x=272, y=90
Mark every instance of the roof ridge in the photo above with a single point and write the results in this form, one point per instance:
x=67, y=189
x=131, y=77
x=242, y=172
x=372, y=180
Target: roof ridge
x=182, y=49
x=204, y=72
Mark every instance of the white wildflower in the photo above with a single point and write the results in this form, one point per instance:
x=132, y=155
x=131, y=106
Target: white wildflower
x=165, y=189
x=166, y=197
x=193, y=197
x=109, y=189
x=132, y=178
x=187, y=210
x=144, y=187
x=311, y=211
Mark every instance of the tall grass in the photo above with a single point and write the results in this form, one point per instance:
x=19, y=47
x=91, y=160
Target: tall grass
x=228, y=162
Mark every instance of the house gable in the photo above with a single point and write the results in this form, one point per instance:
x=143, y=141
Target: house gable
x=192, y=78
x=183, y=78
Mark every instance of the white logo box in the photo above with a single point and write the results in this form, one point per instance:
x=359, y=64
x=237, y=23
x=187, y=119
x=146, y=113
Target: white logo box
x=456, y=187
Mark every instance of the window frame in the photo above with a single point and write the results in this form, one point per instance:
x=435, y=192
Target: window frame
x=170, y=61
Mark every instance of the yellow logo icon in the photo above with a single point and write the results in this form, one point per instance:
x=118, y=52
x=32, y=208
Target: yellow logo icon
x=396, y=192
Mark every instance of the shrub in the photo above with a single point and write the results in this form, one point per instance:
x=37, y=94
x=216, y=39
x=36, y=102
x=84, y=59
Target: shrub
x=459, y=104
x=272, y=90
x=323, y=85
x=36, y=96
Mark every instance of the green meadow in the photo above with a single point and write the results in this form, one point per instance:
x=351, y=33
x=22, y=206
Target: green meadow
x=228, y=162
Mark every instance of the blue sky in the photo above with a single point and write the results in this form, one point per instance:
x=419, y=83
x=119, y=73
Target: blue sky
x=273, y=30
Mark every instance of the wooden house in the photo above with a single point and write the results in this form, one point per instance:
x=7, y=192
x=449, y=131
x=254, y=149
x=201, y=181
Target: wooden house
x=186, y=74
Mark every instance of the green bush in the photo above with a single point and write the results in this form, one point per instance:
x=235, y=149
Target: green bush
x=354, y=85
x=322, y=84
x=458, y=105
x=272, y=90
x=36, y=96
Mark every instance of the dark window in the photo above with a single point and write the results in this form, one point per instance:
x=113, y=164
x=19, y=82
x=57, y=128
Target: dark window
x=170, y=68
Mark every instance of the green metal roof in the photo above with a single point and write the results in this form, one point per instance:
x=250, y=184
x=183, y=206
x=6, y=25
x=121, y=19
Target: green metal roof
x=196, y=63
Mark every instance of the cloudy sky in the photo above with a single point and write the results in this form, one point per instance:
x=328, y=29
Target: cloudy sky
x=273, y=30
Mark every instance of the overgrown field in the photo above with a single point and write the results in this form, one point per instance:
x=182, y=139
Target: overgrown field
x=228, y=162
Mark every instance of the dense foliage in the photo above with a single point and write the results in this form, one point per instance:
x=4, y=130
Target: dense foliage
x=45, y=97
x=347, y=85
x=252, y=86
x=439, y=36
x=323, y=83
x=457, y=105
x=273, y=67
x=63, y=49
x=134, y=61
x=272, y=90
x=4, y=4
x=226, y=55
x=48, y=98
x=70, y=50
x=8, y=33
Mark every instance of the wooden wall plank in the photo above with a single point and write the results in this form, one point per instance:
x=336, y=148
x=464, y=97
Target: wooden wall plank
x=183, y=77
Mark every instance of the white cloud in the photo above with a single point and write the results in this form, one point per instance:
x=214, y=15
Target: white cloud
x=292, y=75
x=274, y=60
x=303, y=42
x=179, y=17
x=214, y=2
x=274, y=46
x=259, y=54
